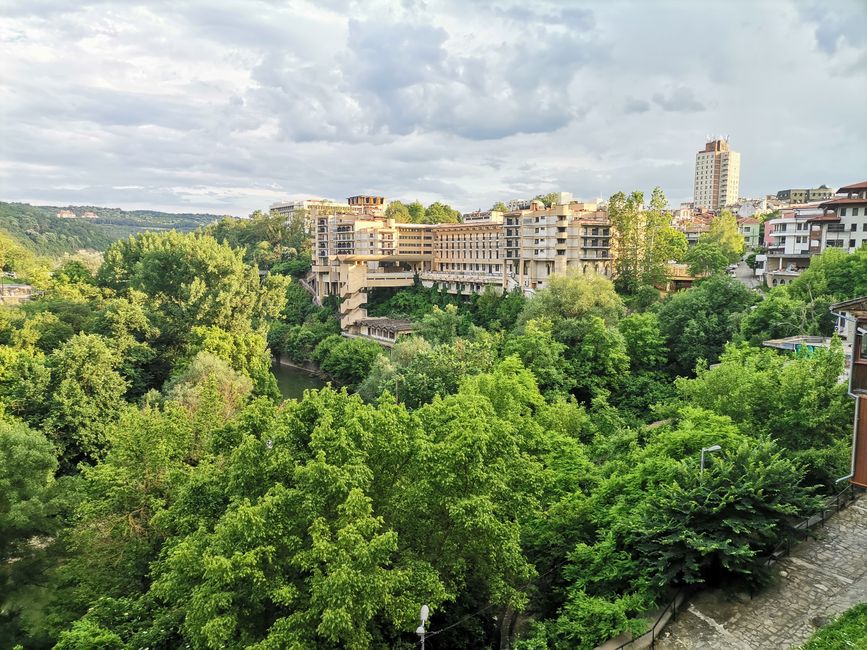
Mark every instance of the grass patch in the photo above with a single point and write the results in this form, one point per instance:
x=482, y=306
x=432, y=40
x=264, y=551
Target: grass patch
x=849, y=630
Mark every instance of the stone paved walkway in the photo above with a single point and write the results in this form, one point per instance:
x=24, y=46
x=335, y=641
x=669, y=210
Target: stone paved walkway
x=821, y=578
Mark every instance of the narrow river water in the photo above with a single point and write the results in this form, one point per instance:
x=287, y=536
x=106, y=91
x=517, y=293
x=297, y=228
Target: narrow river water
x=292, y=382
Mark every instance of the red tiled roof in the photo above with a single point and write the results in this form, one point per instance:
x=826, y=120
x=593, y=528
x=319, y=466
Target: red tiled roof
x=825, y=217
x=844, y=201
x=856, y=186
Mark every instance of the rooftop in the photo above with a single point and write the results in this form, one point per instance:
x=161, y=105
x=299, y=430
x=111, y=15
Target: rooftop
x=388, y=324
x=851, y=188
x=855, y=306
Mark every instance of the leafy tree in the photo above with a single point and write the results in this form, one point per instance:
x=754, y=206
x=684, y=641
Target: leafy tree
x=548, y=199
x=644, y=341
x=643, y=239
x=596, y=353
x=443, y=325
x=349, y=360
x=24, y=381
x=778, y=315
x=417, y=371
x=542, y=355
x=246, y=352
x=26, y=475
x=574, y=295
x=724, y=233
x=441, y=213
x=191, y=279
x=85, y=396
x=703, y=526
x=706, y=258
x=499, y=206
x=698, y=322
x=416, y=212
x=796, y=401
x=398, y=211
x=205, y=375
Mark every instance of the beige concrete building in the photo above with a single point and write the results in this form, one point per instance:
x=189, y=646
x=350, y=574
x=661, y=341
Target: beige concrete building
x=521, y=249
x=717, y=176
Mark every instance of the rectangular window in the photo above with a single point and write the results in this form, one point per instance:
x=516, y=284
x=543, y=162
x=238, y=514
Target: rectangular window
x=854, y=212
x=842, y=212
x=851, y=243
x=853, y=226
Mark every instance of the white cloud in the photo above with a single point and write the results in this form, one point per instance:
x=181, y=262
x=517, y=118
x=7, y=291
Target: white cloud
x=229, y=105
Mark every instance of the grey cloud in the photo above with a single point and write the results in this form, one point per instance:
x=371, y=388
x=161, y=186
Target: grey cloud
x=633, y=105
x=229, y=105
x=679, y=100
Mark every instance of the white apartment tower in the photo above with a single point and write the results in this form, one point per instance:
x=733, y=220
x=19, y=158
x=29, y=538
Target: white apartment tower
x=717, y=176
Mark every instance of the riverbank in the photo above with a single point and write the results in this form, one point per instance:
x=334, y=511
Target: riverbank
x=294, y=379
x=308, y=366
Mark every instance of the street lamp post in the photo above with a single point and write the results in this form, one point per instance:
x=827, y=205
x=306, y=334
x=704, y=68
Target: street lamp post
x=709, y=450
x=423, y=614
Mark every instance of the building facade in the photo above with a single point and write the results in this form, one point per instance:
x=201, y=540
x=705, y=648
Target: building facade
x=803, y=231
x=749, y=228
x=518, y=250
x=717, y=176
x=821, y=193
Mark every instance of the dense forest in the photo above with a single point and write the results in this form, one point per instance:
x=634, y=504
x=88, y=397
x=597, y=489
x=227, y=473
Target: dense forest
x=42, y=232
x=527, y=467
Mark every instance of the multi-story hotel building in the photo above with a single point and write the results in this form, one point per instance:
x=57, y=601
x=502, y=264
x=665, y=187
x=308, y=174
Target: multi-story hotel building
x=717, y=175
x=521, y=249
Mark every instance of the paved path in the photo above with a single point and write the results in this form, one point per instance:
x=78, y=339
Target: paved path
x=747, y=275
x=821, y=578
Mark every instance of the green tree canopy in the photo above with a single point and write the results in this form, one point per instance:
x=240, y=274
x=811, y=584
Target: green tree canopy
x=698, y=322
x=724, y=233
x=706, y=258
x=191, y=279
x=397, y=211
x=441, y=213
x=574, y=295
x=643, y=239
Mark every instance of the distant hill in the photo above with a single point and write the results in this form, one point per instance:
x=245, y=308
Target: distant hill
x=39, y=229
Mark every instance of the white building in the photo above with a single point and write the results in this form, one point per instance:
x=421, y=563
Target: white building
x=788, y=243
x=717, y=176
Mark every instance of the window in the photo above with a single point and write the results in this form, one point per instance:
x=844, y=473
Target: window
x=851, y=243
x=864, y=226
x=853, y=226
x=842, y=212
x=854, y=212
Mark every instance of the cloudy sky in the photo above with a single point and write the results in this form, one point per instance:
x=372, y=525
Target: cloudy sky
x=227, y=106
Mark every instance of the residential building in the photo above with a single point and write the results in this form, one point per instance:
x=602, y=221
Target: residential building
x=717, y=175
x=787, y=239
x=518, y=204
x=693, y=230
x=852, y=315
x=66, y=214
x=803, y=231
x=843, y=223
x=821, y=193
x=749, y=228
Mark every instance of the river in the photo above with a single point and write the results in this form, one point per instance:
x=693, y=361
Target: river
x=292, y=382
